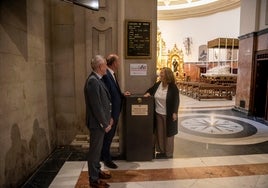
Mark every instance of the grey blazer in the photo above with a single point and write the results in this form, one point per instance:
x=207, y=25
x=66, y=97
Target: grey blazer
x=98, y=103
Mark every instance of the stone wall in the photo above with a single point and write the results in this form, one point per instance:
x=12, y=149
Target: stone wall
x=244, y=76
x=63, y=70
x=27, y=122
x=252, y=40
x=78, y=35
x=249, y=45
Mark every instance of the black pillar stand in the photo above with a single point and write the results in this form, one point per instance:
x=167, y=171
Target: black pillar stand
x=138, y=128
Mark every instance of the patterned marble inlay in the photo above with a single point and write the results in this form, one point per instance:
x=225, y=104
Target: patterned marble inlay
x=134, y=175
x=221, y=129
x=212, y=125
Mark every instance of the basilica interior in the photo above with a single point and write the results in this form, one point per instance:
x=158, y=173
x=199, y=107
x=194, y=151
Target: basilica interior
x=217, y=50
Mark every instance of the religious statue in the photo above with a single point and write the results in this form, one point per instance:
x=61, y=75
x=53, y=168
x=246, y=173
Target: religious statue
x=175, y=65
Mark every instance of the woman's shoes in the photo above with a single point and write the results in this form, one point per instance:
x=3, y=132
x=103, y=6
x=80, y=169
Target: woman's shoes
x=162, y=156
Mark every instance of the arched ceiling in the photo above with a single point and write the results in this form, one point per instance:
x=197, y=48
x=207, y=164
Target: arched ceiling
x=181, y=9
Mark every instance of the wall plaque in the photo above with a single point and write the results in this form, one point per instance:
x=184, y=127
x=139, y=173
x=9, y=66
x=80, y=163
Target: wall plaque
x=138, y=39
x=139, y=110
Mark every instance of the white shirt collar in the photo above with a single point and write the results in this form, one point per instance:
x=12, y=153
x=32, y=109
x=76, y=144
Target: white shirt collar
x=111, y=71
x=98, y=75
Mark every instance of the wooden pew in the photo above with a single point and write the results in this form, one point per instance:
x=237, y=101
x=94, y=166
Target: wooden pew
x=200, y=90
x=213, y=91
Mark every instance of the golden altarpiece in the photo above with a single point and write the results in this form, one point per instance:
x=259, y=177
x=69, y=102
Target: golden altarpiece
x=172, y=58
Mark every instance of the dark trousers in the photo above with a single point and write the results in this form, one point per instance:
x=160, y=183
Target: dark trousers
x=108, y=139
x=95, y=141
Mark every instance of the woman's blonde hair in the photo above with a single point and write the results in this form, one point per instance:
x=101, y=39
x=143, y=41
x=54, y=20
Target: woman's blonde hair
x=169, y=75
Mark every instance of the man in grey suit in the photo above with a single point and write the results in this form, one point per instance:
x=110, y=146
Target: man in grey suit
x=98, y=119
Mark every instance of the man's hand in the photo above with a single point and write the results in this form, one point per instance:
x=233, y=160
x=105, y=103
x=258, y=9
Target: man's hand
x=174, y=116
x=111, y=122
x=109, y=127
x=127, y=93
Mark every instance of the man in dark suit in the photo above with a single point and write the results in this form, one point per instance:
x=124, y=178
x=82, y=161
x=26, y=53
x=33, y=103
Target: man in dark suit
x=98, y=119
x=111, y=83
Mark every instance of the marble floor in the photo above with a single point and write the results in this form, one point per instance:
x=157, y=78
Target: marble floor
x=216, y=147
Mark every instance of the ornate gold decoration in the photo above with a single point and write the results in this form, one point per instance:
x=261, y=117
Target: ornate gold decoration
x=176, y=63
x=172, y=58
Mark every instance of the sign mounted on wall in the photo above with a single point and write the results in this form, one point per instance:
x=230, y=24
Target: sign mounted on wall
x=138, y=39
x=138, y=69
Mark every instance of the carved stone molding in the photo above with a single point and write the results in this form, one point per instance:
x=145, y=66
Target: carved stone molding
x=197, y=11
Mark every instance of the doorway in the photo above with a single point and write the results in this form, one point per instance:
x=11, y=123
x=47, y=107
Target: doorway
x=260, y=107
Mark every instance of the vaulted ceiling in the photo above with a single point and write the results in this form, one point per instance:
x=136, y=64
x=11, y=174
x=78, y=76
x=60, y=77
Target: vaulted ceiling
x=181, y=9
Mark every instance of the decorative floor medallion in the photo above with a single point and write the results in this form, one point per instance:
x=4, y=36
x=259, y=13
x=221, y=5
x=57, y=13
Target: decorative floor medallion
x=221, y=129
x=212, y=125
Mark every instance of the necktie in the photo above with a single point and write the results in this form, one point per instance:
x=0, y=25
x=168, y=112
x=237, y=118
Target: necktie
x=115, y=77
